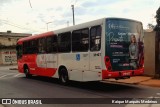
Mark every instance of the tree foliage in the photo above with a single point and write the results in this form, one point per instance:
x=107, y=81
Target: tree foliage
x=157, y=27
x=150, y=26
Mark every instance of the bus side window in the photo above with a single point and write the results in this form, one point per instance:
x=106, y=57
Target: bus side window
x=33, y=47
x=85, y=39
x=19, y=51
x=64, y=42
x=80, y=40
x=54, y=43
x=30, y=47
x=42, y=45
x=76, y=36
x=25, y=45
x=49, y=46
x=95, y=38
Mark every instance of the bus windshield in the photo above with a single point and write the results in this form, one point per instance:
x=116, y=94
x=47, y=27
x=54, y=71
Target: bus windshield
x=124, y=43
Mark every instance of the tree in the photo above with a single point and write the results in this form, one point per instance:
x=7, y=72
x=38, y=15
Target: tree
x=150, y=26
x=157, y=27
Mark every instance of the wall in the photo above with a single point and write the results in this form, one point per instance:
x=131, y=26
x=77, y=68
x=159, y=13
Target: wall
x=8, y=50
x=8, y=56
x=8, y=43
x=149, y=53
x=1, y=62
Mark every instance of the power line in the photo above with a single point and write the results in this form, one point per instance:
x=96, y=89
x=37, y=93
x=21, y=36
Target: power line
x=30, y=3
x=18, y=26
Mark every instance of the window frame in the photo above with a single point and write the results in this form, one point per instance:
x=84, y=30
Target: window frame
x=42, y=47
x=95, y=37
x=52, y=45
x=67, y=43
x=80, y=40
x=19, y=49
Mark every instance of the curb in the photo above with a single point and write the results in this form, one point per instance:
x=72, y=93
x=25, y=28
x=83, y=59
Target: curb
x=133, y=80
x=139, y=80
x=13, y=68
x=151, y=83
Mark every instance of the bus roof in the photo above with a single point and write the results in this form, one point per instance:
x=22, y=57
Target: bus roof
x=124, y=19
x=89, y=24
x=36, y=36
x=75, y=27
x=81, y=26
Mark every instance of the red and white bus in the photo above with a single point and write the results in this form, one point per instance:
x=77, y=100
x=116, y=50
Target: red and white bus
x=92, y=51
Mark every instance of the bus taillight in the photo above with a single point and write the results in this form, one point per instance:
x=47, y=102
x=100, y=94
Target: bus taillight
x=107, y=63
x=141, y=62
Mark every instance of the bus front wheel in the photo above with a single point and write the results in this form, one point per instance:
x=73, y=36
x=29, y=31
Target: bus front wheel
x=63, y=76
x=26, y=71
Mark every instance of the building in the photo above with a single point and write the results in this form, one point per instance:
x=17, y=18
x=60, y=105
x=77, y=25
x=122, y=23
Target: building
x=8, y=42
x=152, y=53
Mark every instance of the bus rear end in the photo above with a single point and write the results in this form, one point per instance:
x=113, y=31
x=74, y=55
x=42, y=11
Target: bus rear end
x=124, y=55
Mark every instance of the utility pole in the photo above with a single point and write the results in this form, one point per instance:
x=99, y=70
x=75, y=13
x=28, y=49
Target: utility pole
x=30, y=3
x=73, y=14
x=47, y=24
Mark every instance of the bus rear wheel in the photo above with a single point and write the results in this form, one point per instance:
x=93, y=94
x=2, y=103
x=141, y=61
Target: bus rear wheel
x=63, y=76
x=26, y=71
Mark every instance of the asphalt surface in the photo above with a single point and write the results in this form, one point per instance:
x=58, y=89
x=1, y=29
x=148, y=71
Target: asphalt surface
x=15, y=85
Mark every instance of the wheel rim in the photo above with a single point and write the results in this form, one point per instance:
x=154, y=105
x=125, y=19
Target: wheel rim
x=26, y=71
x=64, y=78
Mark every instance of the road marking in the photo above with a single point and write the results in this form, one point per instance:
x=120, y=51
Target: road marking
x=158, y=93
x=17, y=75
x=6, y=75
x=3, y=76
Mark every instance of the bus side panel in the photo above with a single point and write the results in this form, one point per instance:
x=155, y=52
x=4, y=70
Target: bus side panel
x=95, y=61
x=76, y=75
x=75, y=63
x=20, y=65
x=79, y=61
x=49, y=72
x=92, y=76
x=46, y=64
x=51, y=64
x=31, y=62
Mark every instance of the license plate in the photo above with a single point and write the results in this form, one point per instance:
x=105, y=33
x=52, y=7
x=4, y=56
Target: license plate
x=126, y=74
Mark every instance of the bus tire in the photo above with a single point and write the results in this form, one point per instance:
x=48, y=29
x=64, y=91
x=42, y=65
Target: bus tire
x=26, y=71
x=63, y=76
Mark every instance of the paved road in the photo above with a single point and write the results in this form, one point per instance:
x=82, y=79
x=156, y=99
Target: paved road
x=15, y=85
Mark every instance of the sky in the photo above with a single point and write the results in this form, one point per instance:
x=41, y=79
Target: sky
x=35, y=16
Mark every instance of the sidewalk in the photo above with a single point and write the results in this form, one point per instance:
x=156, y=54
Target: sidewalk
x=151, y=82
x=138, y=80
x=8, y=67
